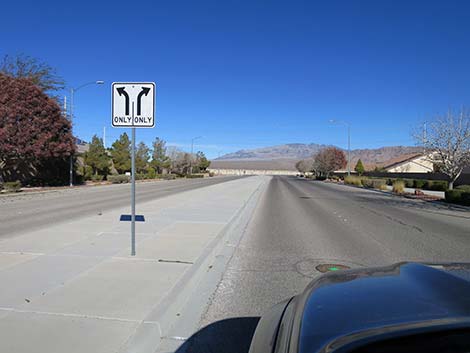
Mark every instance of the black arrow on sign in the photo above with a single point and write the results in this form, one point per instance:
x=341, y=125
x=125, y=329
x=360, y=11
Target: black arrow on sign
x=145, y=90
x=121, y=91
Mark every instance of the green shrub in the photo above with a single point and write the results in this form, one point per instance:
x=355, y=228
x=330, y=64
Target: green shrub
x=140, y=176
x=166, y=176
x=465, y=198
x=354, y=180
x=119, y=178
x=211, y=174
x=454, y=196
x=409, y=183
x=97, y=177
x=419, y=183
x=12, y=186
x=195, y=176
x=87, y=172
x=465, y=188
x=437, y=185
x=151, y=173
x=398, y=186
x=335, y=177
x=458, y=196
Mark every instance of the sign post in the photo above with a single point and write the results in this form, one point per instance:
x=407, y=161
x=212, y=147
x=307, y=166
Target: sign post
x=133, y=105
x=133, y=192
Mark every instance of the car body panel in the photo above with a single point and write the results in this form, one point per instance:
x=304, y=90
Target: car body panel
x=264, y=339
x=342, y=310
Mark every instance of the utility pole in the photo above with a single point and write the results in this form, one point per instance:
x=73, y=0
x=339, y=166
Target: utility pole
x=104, y=137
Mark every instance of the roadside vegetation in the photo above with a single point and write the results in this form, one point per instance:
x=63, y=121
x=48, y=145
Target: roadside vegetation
x=447, y=143
x=114, y=164
x=422, y=184
x=460, y=195
x=323, y=164
x=36, y=141
x=398, y=187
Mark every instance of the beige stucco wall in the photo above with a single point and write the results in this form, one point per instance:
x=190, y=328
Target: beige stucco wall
x=417, y=165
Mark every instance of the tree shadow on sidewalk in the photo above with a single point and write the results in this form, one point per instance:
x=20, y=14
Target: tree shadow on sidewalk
x=226, y=336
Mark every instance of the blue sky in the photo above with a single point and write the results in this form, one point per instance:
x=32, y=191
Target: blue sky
x=255, y=73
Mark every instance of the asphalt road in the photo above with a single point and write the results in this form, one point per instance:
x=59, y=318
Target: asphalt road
x=32, y=211
x=300, y=224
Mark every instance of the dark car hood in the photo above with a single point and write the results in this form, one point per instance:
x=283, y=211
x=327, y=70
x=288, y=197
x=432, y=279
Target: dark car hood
x=342, y=306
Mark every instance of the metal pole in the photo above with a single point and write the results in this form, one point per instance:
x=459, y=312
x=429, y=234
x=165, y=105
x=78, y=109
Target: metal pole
x=71, y=131
x=349, y=149
x=191, y=158
x=424, y=137
x=133, y=187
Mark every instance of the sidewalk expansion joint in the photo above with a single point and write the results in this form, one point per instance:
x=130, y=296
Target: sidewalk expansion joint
x=21, y=253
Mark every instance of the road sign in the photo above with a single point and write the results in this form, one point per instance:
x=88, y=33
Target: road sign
x=133, y=104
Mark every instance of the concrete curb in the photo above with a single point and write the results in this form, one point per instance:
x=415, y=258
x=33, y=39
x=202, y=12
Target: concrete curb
x=180, y=308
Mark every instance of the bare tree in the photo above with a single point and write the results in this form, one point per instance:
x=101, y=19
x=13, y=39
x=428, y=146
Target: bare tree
x=446, y=142
x=304, y=165
x=180, y=161
x=328, y=160
x=40, y=73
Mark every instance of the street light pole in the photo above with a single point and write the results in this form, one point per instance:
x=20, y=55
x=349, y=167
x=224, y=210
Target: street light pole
x=72, y=92
x=349, y=149
x=71, y=131
x=191, y=157
x=349, y=140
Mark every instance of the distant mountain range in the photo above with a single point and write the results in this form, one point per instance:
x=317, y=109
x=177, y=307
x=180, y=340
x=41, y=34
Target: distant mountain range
x=290, y=150
x=285, y=156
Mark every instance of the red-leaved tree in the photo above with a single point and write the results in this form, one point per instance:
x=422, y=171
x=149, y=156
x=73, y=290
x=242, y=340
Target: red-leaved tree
x=32, y=128
x=328, y=160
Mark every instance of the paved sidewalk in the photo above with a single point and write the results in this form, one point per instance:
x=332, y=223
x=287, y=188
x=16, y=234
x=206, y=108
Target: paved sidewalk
x=74, y=287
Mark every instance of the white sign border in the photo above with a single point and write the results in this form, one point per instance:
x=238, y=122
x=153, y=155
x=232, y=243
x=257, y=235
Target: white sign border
x=112, y=104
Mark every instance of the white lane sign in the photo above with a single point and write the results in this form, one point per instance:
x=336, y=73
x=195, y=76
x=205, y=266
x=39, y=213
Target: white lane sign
x=133, y=104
